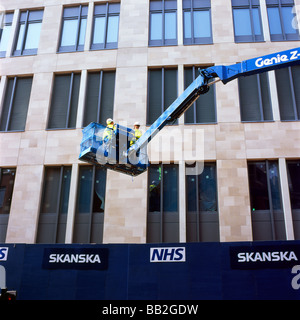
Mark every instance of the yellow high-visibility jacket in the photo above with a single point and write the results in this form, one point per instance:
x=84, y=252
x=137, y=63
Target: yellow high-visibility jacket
x=109, y=132
x=137, y=135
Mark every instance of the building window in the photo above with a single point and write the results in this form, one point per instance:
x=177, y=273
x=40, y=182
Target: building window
x=247, y=21
x=202, y=218
x=54, y=205
x=5, y=30
x=99, y=101
x=29, y=30
x=89, y=217
x=163, y=214
x=162, y=92
x=106, y=26
x=64, y=102
x=73, y=29
x=293, y=167
x=204, y=109
x=255, y=99
x=288, y=90
x=163, y=23
x=15, y=106
x=281, y=16
x=266, y=205
x=197, y=27
x=7, y=180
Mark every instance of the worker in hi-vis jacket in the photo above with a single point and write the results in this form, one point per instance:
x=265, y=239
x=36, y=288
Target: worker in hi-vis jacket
x=109, y=135
x=137, y=133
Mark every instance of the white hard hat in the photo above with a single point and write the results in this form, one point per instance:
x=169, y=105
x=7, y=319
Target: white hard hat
x=109, y=121
x=137, y=123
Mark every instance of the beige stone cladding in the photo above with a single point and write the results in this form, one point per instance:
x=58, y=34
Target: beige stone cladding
x=229, y=143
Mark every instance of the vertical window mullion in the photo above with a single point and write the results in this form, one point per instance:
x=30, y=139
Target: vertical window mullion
x=11, y=104
x=25, y=32
x=198, y=208
x=91, y=205
x=270, y=202
x=78, y=28
x=163, y=23
x=58, y=203
x=162, y=90
x=106, y=25
x=194, y=104
x=251, y=21
x=161, y=204
x=69, y=100
x=100, y=96
x=192, y=23
x=260, y=99
x=293, y=93
x=281, y=21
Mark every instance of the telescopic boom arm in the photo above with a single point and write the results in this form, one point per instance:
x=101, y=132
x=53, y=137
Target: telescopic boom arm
x=131, y=159
x=225, y=74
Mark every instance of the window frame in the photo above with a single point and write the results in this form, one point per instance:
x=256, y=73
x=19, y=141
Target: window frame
x=4, y=216
x=250, y=5
x=106, y=15
x=202, y=216
x=275, y=216
x=163, y=10
x=152, y=217
x=82, y=218
x=206, y=7
x=283, y=36
x=260, y=99
x=99, y=101
x=194, y=106
x=60, y=218
x=79, y=17
x=68, y=114
x=295, y=211
x=293, y=96
x=26, y=23
x=6, y=21
x=162, y=105
x=11, y=105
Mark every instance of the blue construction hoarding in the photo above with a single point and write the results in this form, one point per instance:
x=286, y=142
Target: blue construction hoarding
x=185, y=271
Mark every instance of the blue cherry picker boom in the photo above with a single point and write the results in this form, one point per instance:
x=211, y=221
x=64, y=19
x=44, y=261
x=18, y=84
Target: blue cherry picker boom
x=120, y=155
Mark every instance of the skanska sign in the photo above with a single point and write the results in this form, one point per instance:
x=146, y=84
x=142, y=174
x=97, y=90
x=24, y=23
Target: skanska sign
x=262, y=257
x=76, y=258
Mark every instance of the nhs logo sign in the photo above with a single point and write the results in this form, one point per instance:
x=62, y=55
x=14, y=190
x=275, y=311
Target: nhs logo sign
x=175, y=254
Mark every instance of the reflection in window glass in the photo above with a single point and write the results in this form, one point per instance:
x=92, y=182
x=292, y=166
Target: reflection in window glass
x=274, y=21
x=5, y=38
x=202, y=24
x=156, y=26
x=112, y=29
x=99, y=27
x=287, y=17
x=170, y=25
x=68, y=35
x=242, y=22
x=82, y=32
x=21, y=36
x=33, y=36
